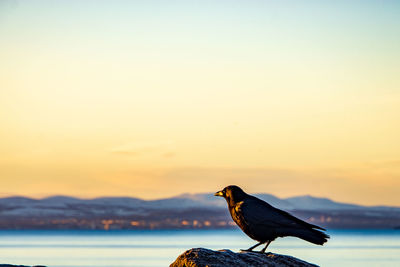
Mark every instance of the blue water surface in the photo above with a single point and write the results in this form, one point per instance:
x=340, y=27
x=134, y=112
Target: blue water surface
x=161, y=247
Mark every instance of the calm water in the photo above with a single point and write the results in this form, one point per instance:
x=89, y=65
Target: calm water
x=160, y=248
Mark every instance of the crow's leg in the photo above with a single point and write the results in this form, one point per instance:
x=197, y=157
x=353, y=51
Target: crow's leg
x=263, y=250
x=253, y=247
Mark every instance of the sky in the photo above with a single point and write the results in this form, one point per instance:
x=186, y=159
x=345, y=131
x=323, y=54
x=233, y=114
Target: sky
x=152, y=99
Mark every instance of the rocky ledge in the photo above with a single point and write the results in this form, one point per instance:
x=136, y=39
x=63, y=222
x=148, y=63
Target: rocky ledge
x=201, y=257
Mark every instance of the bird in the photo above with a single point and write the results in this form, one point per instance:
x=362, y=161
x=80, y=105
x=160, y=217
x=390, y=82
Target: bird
x=264, y=223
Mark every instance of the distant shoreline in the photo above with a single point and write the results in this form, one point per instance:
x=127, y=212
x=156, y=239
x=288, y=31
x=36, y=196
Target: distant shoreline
x=342, y=230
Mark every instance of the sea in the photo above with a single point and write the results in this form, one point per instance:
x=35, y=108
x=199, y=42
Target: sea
x=144, y=248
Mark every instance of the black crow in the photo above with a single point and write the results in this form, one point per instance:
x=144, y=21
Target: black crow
x=264, y=223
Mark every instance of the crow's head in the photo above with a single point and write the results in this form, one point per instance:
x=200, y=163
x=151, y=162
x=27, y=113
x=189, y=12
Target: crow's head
x=232, y=194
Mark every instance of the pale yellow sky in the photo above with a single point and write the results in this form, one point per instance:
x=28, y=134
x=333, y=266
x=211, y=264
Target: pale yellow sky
x=96, y=101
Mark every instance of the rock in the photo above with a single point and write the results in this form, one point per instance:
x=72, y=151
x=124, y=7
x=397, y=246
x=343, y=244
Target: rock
x=201, y=257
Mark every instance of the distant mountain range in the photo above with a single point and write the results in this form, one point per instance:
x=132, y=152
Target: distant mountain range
x=57, y=205
x=186, y=210
x=292, y=203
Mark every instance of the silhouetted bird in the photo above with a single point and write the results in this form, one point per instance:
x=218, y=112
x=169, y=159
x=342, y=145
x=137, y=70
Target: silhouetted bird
x=264, y=223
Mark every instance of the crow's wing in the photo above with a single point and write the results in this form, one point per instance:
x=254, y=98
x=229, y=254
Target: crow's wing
x=257, y=212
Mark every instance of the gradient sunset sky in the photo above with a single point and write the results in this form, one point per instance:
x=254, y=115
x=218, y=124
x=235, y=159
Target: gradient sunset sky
x=156, y=98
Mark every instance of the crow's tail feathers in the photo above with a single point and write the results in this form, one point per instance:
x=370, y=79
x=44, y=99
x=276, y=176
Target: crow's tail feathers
x=312, y=235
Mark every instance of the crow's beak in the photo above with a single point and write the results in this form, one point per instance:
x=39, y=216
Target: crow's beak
x=219, y=194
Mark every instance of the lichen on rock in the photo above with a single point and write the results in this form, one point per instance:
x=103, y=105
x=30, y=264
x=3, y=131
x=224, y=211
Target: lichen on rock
x=201, y=257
